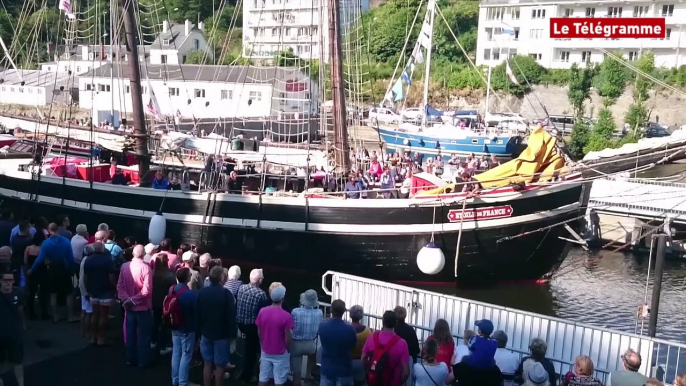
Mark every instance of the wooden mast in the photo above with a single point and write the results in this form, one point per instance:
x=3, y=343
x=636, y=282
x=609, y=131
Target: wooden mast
x=139, y=129
x=342, y=151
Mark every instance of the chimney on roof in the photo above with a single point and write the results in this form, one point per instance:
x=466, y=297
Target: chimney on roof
x=188, y=27
x=165, y=26
x=201, y=26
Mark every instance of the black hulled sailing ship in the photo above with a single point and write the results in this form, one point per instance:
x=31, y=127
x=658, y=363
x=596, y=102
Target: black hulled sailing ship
x=508, y=232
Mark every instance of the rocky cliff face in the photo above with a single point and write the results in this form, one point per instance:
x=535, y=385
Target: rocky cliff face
x=669, y=106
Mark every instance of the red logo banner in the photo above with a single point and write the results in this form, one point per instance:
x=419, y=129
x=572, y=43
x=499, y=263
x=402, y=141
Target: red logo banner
x=608, y=28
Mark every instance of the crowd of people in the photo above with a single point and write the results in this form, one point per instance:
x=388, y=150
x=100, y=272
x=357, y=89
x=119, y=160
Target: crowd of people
x=178, y=303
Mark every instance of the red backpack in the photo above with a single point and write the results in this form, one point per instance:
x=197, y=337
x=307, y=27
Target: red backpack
x=171, y=309
x=378, y=369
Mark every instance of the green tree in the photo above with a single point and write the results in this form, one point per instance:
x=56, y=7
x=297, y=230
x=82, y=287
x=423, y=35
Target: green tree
x=611, y=78
x=388, y=31
x=197, y=57
x=601, y=135
x=580, y=133
x=579, y=89
x=645, y=64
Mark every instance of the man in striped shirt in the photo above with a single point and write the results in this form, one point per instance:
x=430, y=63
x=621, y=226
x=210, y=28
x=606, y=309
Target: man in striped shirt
x=306, y=321
x=234, y=280
x=248, y=299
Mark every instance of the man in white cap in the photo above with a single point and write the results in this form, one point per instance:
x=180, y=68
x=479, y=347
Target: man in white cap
x=188, y=260
x=249, y=297
x=149, y=252
x=203, y=263
x=275, y=325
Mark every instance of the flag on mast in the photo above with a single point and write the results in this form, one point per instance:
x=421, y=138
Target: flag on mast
x=509, y=73
x=153, y=107
x=65, y=5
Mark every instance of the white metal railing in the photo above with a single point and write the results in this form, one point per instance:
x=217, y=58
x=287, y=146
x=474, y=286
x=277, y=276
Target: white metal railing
x=566, y=339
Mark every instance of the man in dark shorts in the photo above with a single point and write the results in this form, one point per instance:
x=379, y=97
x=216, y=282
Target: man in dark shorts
x=57, y=250
x=12, y=327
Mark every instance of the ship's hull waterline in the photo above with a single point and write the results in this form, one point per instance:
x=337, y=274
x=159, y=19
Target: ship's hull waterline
x=377, y=238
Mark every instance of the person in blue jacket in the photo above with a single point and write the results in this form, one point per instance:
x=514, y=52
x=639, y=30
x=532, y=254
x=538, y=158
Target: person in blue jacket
x=159, y=182
x=58, y=252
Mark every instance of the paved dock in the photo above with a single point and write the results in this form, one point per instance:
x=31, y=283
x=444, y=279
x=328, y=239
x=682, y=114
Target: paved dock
x=56, y=355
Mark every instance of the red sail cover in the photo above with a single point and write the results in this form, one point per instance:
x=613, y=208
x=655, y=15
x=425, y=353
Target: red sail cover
x=425, y=181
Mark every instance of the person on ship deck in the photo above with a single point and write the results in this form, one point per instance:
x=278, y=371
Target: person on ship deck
x=160, y=182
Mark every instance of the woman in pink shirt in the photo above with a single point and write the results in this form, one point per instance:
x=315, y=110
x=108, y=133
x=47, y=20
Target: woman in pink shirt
x=375, y=169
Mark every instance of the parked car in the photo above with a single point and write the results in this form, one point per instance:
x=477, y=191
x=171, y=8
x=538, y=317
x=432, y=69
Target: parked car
x=412, y=114
x=384, y=115
x=656, y=132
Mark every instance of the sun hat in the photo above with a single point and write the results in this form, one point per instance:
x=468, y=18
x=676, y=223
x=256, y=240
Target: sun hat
x=309, y=298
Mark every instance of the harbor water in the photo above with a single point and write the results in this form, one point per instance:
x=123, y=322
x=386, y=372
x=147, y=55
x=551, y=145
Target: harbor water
x=602, y=290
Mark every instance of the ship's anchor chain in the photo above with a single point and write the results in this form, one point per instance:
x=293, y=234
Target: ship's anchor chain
x=459, y=235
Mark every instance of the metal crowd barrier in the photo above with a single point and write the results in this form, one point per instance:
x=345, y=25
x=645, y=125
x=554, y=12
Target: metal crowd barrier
x=565, y=339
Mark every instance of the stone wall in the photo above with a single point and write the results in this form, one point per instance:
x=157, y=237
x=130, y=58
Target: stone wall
x=669, y=106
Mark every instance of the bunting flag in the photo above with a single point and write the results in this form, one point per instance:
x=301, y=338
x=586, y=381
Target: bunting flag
x=65, y=5
x=507, y=29
x=418, y=57
x=509, y=73
x=398, y=91
x=406, y=77
x=153, y=107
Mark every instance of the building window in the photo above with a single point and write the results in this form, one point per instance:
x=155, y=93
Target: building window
x=516, y=35
x=183, y=59
x=495, y=13
x=89, y=87
x=163, y=59
x=564, y=56
x=641, y=11
x=11, y=89
x=127, y=89
x=590, y=12
x=174, y=91
x=78, y=68
x=538, y=13
x=514, y=13
x=614, y=12
x=536, y=56
x=21, y=90
x=30, y=91
x=104, y=87
x=227, y=94
x=668, y=33
x=633, y=55
x=536, y=34
x=166, y=42
x=668, y=10
x=487, y=54
x=256, y=96
x=496, y=55
x=569, y=12
x=39, y=91
x=586, y=56
x=144, y=89
x=512, y=53
x=196, y=44
x=199, y=92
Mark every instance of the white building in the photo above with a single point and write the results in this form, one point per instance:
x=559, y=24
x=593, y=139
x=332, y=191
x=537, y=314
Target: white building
x=200, y=92
x=270, y=26
x=171, y=46
x=531, y=22
x=37, y=87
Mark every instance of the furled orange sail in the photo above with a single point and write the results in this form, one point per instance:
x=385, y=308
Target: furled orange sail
x=539, y=162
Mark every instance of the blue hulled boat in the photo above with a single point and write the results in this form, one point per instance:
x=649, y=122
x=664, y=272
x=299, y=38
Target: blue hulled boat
x=452, y=132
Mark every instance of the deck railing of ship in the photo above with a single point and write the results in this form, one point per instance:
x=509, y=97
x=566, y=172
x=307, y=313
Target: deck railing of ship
x=566, y=339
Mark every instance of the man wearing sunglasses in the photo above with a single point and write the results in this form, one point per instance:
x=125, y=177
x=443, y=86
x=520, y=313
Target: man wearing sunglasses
x=12, y=326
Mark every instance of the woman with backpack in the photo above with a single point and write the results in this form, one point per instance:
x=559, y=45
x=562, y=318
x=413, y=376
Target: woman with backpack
x=430, y=372
x=162, y=280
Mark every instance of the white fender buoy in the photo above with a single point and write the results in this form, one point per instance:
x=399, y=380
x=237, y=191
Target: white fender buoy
x=430, y=259
x=406, y=142
x=157, y=229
